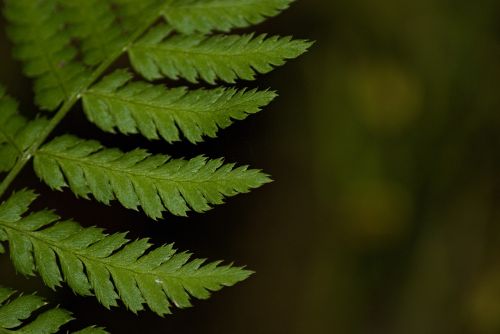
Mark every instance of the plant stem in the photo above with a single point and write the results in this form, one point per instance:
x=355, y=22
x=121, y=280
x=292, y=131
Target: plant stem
x=66, y=107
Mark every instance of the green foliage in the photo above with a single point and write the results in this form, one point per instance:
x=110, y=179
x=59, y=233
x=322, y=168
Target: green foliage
x=137, y=178
x=95, y=23
x=189, y=16
x=11, y=123
x=15, y=312
x=16, y=133
x=132, y=13
x=110, y=266
x=66, y=46
x=226, y=57
x=154, y=111
x=45, y=49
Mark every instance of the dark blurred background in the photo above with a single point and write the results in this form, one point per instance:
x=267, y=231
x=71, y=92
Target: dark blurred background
x=384, y=216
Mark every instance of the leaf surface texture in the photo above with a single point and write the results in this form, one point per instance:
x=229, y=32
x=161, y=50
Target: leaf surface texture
x=162, y=54
x=16, y=132
x=155, y=111
x=189, y=16
x=108, y=266
x=154, y=182
x=43, y=45
x=16, y=313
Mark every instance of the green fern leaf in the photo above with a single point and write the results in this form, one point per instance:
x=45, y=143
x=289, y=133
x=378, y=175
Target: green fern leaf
x=133, y=13
x=110, y=266
x=16, y=133
x=188, y=16
x=225, y=57
x=43, y=45
x=154, y=182
x=91, y=330
x=155, y=111
x=10, y=124
x=14, y=313
x=94, y=23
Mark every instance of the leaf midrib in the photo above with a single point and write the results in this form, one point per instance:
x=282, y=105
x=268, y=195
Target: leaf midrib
x=36, y=236
x=215, y=5
x=191, y=50
x=173, y=110
x=128, y=171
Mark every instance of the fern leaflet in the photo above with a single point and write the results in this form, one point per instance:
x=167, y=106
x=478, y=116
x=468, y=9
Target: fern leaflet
x=16, y=133
x=137, y=178
x=44, y=47
x=95, y=24
x=224, y=57
x=10, y=124
x=15, y=312
x=133, y=13
x=155, y=111
x=110, y=266
x=188, y=16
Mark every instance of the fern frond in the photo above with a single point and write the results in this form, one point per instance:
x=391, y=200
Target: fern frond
x=16, y=133
x=15, y=312
x=133, y=13
x=94, y=23
x=43, y=45
x=154, y=182
x=188, y=16
x=225, y=57
x=154, y=111
x=110, y=266
x=10, y=125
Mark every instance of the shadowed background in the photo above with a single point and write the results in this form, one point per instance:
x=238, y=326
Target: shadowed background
x=384, y=216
